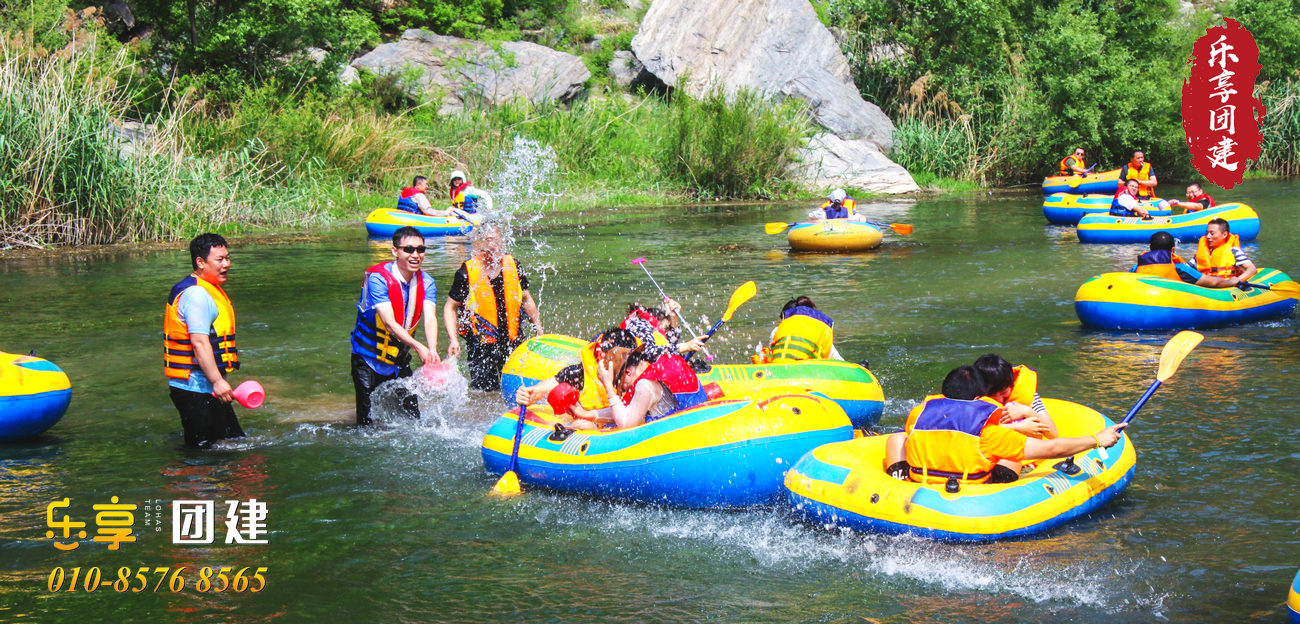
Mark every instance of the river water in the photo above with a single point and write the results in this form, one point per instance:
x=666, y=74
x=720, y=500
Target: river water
x=394, y=523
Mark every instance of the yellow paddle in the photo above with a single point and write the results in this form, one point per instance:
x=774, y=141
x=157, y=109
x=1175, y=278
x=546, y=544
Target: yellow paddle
x=777, y=227
x=738, y=298
x=508, y=484
x=1286, y=289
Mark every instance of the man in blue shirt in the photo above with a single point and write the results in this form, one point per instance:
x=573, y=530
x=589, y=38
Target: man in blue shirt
x=395, y=297
x=199, y=345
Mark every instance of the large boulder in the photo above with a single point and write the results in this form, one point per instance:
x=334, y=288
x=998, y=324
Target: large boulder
x=780, y=48
x=469, y=73
x=829, y=161
x=772, y=46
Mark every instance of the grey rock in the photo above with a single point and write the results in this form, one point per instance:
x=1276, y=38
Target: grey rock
x=829, y=161
x=348, y=75
x=775, y=46
x=466, y=73
x=624, y=68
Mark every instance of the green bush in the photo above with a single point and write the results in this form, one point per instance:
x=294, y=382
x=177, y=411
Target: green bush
x=1280, y=130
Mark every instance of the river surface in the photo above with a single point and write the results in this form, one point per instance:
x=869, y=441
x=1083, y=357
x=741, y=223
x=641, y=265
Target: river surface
x=395, y=524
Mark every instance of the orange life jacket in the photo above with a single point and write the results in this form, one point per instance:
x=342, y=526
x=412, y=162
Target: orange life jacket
x=1220, y=262
x=481, y=306
x=1143, y=174
x=943, y=440
x=1067, y=161
x=178, y=351
x=1160, y=263
x=1025, y=385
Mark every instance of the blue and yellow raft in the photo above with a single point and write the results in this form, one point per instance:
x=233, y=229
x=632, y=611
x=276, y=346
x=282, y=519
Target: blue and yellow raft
x=383, y=222
x=1293, y=600
x=1242, y=221
x=845, y=485
x=728, y=452
x=853, y=387
x=1066, y=209
x=833, y=235
x=34, y=394
x=1101, y=182
x=1136, y=302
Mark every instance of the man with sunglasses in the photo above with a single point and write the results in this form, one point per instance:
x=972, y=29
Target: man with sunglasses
x=394, y=298
x=488, y=296
x=1073, y=164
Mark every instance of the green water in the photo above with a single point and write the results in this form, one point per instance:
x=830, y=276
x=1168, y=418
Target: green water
x=394, y=524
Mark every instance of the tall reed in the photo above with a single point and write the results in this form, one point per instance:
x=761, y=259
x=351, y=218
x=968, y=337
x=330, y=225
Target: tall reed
x=1280, y=129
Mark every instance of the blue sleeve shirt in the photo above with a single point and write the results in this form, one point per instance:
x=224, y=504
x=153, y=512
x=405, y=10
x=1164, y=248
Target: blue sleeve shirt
x=198, y=309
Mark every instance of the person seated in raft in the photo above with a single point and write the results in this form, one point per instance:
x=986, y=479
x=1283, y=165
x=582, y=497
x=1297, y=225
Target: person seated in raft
x=1161, y=261
x=465, y=197
x=1139, y=170
x=1219, y=253
x=1125, y=202
x=956, y=438
x=649, y=387
x=1012, y=387
x=838, y=205
x=1073, y=164
x=614, y=345
x=1197, y=199
x=804, y=333
x=659, y=326
x=413, y=198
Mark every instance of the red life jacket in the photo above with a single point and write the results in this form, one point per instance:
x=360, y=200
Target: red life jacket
x=404, y=201
x=672, y=371
x=370, y=337
x=1203, y=195
x=457, y=190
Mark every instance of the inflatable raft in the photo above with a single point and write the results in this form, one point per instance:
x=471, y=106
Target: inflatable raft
x=833, y=235
x=1136, y=302
x=1242, y=221
x=1293, y=600
x=1064, y=209
x=854, y=388
x=383, y=222
x=1104, y=182
x=845, y=485
x=724, y=453
x=34, y=394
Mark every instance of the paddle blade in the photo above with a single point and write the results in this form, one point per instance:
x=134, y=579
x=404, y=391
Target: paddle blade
x=1175, y=351
x=639, y=261
x=507, y=485
x=775, y=228
x=901, y=228
x=1288, y=289
x=738, y=298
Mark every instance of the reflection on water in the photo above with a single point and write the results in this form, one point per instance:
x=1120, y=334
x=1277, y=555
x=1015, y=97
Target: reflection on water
x=1207, y=531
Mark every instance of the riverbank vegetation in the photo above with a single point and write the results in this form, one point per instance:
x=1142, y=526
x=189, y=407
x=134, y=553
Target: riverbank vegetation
x=230, y=115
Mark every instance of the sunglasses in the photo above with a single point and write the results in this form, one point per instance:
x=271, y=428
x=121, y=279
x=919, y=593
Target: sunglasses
x=410, y=249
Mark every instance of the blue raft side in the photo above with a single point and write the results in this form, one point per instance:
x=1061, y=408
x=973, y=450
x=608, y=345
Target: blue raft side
x=1006, y=503
x=1132, y=316
x=386, y=230
x=1060, y=215
x=1247, y=229
x=1295, y=587
x=688, y=478
x=1084, y=188
x=862, y=413
x=26, y=415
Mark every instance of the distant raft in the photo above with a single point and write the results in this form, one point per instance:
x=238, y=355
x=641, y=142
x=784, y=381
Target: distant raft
x=1293, y=600
x=729, y=452
x=1066, y=209
x=34, y=394
x=833, y=235
x=383, y=222
x=1105, y=182
x=1242, y=220
x=1132, y=301
x=853, y=387
x=844, y=485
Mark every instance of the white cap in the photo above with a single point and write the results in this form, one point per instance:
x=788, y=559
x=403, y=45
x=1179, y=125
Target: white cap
x=457, y=174
x=838, y=195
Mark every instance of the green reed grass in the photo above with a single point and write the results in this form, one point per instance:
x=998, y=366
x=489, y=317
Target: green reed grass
x=1280, y=129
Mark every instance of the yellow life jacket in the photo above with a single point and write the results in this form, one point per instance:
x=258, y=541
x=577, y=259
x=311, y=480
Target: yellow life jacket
x=1220, y=262
x=805, y=334
x=481, y=306
x=849, y=205
x=593, y=395
x=1067, y=161
x=1143, y=174
x=178, y=351
x=1159, y=269
x=943, y=440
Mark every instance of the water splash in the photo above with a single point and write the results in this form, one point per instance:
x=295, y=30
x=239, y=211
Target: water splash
x=438, y=399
